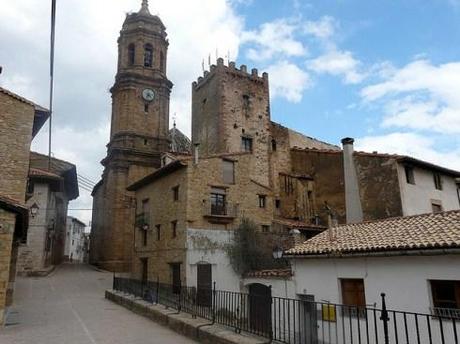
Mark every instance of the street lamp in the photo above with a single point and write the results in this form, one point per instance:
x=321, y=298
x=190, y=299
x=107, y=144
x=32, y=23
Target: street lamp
x=277, y=252
x=145, y=227
x=34, y=210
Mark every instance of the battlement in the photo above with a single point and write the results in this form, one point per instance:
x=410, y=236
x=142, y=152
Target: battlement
x=220, y=67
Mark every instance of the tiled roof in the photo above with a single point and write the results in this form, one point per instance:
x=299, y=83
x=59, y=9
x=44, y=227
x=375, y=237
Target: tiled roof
x=270, y=273
x=36, y=172
x=419, y=232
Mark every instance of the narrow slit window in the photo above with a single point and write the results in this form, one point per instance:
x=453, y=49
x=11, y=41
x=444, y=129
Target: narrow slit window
x=131, y=54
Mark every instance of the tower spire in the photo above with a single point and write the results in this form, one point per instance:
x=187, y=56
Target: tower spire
x=145, y=7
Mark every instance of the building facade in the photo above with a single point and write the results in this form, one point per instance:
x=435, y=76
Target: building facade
x=75, y=241
x=20, y=121
x=48, y=193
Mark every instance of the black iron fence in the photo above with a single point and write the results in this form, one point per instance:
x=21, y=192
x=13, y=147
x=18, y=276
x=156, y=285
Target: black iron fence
x=299, y=321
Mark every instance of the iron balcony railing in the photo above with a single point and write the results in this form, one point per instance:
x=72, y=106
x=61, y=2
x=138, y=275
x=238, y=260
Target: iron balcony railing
x=298, y=321
x=226, y=209
x=142, y=220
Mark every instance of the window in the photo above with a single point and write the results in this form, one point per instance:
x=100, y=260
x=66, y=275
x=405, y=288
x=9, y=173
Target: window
x=436, y=206
x=218, y=202
x=131, y=54
x=277, y=203
x=144, y=237
x=437, y=181
x=158, y=227
x=228, y=171
x=273, y=145
x=246, y=144
x=353, y=295
x=288, y=183
x=262, y=201
x=265, y=229
x=73, y=242
x=409, y=170
x=144, y=269
x=175, y=193
x=146, y=107
x=174, y=228
x=148, y=55
x=246, y=103
x=30, y=187
x=446, y=296
x=175, y=277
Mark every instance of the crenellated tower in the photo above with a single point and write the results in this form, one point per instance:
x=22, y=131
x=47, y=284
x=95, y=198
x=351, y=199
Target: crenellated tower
x=138, y=135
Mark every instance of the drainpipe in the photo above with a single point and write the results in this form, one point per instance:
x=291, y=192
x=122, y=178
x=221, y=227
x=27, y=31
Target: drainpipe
x=353, y=206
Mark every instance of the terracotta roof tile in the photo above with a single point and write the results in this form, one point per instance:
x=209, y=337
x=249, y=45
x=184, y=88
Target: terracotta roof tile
x=427, y=231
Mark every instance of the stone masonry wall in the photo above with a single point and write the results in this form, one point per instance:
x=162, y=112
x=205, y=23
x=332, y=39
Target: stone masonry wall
x=7, y=223
x=16, y=120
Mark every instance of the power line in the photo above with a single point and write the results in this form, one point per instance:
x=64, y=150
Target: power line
x=82, y=177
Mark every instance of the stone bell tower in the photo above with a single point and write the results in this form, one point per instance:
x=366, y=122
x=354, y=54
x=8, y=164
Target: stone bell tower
x=138, y=135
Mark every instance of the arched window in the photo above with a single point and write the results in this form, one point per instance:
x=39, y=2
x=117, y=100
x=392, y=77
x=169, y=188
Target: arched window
x=131, y=54
x=148, y=55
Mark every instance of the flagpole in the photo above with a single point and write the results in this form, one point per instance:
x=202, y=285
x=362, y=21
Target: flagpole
x=53, y=26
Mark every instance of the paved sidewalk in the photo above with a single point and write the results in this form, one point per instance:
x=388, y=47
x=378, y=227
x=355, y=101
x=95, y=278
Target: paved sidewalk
x=68, y=307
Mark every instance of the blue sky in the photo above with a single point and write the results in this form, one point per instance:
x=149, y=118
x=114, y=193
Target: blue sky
x=377, y=34
x=384, y=72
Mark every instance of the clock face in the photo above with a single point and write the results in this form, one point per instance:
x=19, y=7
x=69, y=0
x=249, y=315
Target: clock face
x=148, y=94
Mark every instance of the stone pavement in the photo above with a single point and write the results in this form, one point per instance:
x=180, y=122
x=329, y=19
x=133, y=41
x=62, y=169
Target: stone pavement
x=68, y=307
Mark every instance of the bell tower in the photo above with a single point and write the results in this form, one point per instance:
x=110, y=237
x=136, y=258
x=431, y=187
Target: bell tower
x=138, y=135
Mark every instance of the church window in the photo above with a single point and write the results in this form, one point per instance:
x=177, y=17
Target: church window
x=146, y=107
x=131, y=54
x=246, y=144
x=148, y=55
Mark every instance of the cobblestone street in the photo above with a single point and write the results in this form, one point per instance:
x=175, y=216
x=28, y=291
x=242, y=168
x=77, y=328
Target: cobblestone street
x=69, y=307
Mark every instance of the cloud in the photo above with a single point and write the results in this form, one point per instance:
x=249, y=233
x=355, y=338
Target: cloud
x=338, y=63
x=274, y=39
x=411, y=144
x=324, y=28
x=288, y=81
x=419, y=96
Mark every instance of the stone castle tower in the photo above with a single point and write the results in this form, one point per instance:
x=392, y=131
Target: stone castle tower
x=138, y=136
x=231, y=113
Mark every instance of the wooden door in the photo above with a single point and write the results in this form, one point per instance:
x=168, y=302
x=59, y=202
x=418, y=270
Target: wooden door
x=204, y=285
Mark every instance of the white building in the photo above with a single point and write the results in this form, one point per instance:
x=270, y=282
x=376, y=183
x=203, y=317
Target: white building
x=75, y=240
x=414, y=260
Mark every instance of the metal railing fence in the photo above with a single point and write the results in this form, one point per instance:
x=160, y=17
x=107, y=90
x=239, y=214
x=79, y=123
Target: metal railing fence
x=299, y=321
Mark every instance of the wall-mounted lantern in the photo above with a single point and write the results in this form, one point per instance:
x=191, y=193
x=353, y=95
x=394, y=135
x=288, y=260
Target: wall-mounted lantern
x=34, y=210
x=277, y=252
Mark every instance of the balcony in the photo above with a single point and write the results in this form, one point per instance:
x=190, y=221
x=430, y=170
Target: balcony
x=142, y=221
x=220, y=213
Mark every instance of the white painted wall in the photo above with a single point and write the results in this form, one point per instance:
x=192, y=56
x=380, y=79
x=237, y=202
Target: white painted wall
x=74, y=241
x=416, y=199
x=208, y=245
x=404, y=280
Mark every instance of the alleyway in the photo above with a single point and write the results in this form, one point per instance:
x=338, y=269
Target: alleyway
x=68, y=307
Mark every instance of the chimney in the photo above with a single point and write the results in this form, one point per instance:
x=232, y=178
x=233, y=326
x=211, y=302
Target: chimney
x=196, y=153
x=353, y=207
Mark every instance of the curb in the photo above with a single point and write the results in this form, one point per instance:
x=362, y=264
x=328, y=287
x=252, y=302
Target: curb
x=195, y=328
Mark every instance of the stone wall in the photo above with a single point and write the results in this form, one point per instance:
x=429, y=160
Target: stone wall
x=7, y=224
x=16, y=120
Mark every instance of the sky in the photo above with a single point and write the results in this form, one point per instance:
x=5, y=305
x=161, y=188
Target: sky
x=384, y=72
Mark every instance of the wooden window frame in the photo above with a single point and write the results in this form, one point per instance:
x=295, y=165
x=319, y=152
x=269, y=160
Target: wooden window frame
x=262, y=201
x=175, y=191
x=174, y=228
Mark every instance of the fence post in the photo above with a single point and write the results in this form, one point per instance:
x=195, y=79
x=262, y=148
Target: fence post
x=384, y=317
x=214, y=302
x=270, y=320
